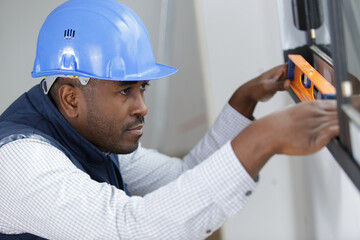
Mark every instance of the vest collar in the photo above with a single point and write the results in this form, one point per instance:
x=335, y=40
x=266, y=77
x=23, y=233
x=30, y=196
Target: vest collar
x=68, y=135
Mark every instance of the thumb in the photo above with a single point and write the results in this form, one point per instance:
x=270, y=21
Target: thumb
x=277, y=83
x=283, y=85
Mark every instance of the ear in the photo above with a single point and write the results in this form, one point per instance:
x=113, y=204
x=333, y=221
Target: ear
x=69, y=100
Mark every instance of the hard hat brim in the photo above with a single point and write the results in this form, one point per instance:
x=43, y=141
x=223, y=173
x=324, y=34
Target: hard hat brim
x=160, y=71
x=164, y=71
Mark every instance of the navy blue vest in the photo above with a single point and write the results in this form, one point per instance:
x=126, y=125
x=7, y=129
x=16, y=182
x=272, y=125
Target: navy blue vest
x=33, y=115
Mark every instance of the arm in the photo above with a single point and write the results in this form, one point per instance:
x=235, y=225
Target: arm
x=301, y=129
x=43, y=193
x=237, y=113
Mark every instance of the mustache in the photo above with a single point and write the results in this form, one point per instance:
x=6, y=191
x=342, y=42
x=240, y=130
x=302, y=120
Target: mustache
x=138, y=120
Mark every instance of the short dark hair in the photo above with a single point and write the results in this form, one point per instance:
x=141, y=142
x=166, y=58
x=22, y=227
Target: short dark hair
x=74, y=82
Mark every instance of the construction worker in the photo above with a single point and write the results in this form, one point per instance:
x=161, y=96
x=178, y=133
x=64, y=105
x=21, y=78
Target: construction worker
x=71, y=164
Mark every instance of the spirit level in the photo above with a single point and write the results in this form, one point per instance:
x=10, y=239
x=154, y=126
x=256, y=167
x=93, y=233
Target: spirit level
x=306, y=82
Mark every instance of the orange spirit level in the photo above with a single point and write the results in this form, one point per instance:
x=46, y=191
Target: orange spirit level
x=306, y=82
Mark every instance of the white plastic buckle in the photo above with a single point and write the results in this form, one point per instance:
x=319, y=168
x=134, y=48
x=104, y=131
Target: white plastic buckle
x=49, y=81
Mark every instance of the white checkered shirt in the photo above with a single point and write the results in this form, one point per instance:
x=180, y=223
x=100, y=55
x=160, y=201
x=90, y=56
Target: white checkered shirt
x=43, y=193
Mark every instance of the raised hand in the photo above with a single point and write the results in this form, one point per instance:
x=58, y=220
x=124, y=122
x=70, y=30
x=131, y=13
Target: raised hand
x=299, y=130
x=258, y=89
x=307, y=127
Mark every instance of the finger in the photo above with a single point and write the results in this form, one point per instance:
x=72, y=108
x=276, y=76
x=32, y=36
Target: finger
x=276, y=84
x=323, y=105
x=283, y=85
x=324, y=124
x=321, y=124
x=328, y=105
x=283, y=71
x=278, y=76
x=322, y=119
x=327, y=135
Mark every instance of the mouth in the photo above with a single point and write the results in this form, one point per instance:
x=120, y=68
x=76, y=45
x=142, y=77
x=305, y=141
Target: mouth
x=136, y=130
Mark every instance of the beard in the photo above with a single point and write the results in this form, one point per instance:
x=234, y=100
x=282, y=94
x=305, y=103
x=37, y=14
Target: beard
x=111, y=136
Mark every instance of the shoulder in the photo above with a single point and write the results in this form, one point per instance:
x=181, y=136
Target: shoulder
x=31, y=152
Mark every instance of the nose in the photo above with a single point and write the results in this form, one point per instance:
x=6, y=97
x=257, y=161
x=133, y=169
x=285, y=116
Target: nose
x=139, y=107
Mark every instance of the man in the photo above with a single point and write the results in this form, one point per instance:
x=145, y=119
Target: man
x=71, y=163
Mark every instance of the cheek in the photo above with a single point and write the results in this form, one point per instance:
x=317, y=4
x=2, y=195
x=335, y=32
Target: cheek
x=112, y=107
x=117, y=116
x=113, y=112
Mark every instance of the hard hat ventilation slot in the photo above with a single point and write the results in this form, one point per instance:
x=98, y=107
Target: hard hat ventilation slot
x=69, y=34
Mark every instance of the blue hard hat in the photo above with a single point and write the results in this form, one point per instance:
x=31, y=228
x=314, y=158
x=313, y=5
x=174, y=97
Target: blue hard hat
x=100, y=39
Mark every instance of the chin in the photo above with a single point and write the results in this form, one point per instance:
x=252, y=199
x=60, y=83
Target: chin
x=126, y=149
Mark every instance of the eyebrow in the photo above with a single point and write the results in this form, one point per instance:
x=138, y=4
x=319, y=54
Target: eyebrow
x=126, y=83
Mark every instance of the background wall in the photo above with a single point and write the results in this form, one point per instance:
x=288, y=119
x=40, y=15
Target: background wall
x=217, y=46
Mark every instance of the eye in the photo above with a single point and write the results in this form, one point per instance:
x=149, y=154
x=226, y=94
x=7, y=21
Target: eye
x=125, y=91
x=144, y=86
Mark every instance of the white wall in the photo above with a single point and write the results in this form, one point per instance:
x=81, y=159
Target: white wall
x=18, y=33
x=328, y=202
